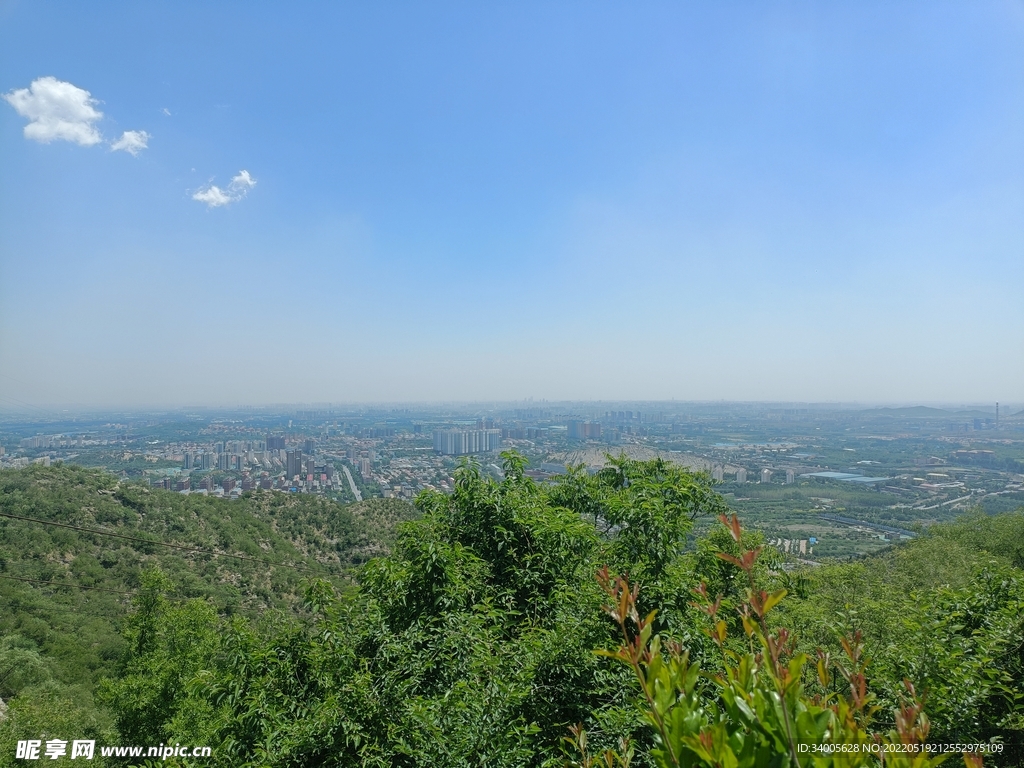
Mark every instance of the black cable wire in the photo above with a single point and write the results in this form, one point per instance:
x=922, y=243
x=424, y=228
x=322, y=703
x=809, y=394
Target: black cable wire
x=65, y=584
x=155, y=543
x=78, y=610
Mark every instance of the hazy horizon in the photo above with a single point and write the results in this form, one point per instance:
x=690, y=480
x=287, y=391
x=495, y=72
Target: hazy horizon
x=739, y=202
x=12, y=408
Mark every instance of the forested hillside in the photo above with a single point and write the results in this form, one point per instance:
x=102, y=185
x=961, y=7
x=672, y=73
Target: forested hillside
x=75, y=545
x=472, y=638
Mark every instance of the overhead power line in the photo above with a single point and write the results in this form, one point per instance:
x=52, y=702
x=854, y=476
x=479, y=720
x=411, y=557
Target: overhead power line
x=179, y=547
x=78, y=610
x=65, y=584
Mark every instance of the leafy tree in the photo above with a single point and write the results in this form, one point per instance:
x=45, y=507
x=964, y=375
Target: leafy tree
x=166, y=645
x=471, y=643
x=942, y=610
x=60, y=639
x=756, y=711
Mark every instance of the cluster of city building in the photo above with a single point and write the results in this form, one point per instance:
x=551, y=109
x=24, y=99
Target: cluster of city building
x=718, y=473
x=297, y=464
x=38, y=442
x=399, y=452
x=489, y=433
x=459, y=442
x=583, y=430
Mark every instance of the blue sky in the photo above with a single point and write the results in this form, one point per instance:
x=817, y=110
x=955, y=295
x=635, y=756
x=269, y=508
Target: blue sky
x=762, y=201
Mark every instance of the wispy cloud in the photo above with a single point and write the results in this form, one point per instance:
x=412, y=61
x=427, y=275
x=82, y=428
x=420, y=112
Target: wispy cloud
x=214, y=196
x=243, y=182
x=57, y=110
x=131, y=142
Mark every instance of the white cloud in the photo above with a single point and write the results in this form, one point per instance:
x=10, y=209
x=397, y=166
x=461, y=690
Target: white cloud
x=215, y=197
x=166, y=111
x=131, y=142
x=243, y=182
x=57, y=110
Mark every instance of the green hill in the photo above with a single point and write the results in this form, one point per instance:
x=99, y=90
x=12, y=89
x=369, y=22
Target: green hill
x=74, y=544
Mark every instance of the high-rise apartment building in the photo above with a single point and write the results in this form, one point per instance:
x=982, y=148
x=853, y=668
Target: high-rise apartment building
x=224, y=461
x=275, y=443
x=741, y=475
x=458, y=442
x=293, y=464
x=583, y=430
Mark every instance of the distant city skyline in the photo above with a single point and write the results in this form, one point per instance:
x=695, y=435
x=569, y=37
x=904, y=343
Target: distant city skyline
x=466, y=413
x=930, y=454
x=231, y=204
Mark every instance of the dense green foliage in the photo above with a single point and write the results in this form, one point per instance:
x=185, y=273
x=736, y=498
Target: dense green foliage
x=472, y=643
x=471, y=638
x=58, y=642
x=754, y=708
x=946, y=611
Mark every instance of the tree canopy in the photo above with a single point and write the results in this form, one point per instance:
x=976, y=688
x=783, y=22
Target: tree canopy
x=485, y=637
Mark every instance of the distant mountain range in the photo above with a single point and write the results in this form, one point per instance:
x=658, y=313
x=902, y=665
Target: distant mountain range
x=928, y=412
